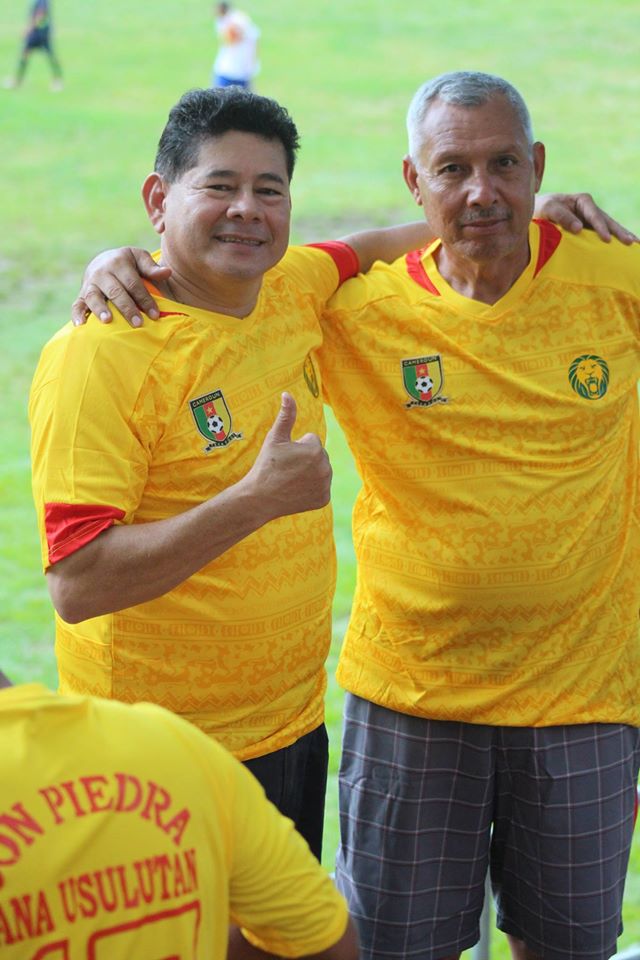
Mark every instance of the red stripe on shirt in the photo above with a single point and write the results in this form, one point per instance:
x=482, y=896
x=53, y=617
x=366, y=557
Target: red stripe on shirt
x=70, y=526
x=417, y=272
x=550, y=237
x=344, y=257
x=157, y=294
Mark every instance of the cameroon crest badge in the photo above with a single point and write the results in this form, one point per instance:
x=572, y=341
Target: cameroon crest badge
x=213, y=420
x=423, y=380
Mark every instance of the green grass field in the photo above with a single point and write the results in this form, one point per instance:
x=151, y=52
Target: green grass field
x=72, y=163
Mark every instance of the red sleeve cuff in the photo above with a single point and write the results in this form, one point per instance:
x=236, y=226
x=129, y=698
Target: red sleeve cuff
x=344, y=257
x=69, y=526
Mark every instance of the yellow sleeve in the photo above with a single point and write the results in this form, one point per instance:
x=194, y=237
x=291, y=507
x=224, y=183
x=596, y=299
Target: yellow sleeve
x=93, y=426
x=279, y=894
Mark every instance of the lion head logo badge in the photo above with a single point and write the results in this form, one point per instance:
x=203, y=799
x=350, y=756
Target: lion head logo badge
x=589, y=376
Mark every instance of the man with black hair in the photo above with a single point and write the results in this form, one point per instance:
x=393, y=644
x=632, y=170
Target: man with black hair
x=180, y=478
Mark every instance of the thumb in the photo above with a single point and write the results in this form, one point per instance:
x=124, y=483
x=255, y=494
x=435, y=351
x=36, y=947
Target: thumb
x=283, y=424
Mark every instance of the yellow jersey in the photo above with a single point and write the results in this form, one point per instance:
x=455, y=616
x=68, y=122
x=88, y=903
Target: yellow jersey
x=125, y=832
x=496, y=532
x=132, y=426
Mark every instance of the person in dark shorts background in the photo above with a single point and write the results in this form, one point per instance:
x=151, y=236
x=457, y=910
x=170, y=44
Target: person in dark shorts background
x=37, y=37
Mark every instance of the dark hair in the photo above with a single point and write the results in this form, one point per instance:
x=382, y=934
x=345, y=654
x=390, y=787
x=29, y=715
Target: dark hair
x=201, y=114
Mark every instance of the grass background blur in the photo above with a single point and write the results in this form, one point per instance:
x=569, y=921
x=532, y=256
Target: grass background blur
x=71, y=166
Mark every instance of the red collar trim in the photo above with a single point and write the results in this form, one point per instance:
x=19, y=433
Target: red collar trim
x=550, y=237
x=417, y=272
x=157, y=294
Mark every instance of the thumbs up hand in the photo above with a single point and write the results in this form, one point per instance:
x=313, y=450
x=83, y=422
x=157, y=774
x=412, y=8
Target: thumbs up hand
x=290, y=476
x=285, y=421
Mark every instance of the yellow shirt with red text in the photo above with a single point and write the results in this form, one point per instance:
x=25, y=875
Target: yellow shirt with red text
x=125, y=832
x=132, y=426
x=496, y=532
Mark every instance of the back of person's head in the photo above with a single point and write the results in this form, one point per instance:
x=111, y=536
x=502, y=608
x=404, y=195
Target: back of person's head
x=203, y=114
x=464, y=88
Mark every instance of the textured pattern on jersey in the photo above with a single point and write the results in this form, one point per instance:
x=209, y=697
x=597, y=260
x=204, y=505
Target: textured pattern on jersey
x=497, y=528
x=154, y=421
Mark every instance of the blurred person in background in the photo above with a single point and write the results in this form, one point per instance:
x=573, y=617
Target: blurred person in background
x=38, y=37
x=237, y=61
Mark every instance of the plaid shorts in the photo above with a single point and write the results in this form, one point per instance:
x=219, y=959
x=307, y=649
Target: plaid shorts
x=427, y=806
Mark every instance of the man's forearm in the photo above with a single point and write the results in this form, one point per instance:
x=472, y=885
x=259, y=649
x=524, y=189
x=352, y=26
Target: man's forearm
x=130, y=564
x=388, y=243
x=127, y=565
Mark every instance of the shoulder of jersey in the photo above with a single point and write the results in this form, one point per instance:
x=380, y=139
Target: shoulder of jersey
x=584, y=258
x=382, y=281
x=297, y=266
x=117, y=339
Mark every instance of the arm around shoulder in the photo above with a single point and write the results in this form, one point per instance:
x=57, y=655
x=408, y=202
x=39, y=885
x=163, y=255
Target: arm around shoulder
x=573, y=211
x=388, y=243
x=116, y=276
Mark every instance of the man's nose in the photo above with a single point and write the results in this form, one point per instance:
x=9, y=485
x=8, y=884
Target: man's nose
x=244, y=204
x=481, y=188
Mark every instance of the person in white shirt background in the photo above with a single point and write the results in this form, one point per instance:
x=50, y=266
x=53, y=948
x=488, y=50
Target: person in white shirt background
x=236, y=63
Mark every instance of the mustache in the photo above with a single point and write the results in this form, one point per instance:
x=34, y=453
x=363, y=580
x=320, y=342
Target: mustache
x=491, y=213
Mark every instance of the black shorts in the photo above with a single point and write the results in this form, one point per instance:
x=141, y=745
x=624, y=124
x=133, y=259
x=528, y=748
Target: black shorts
x=295, y=780
x=38, y=39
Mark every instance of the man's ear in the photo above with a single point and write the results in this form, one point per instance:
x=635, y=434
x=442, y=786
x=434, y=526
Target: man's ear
x=154, y=194
x=410, y=175
x=538, y=163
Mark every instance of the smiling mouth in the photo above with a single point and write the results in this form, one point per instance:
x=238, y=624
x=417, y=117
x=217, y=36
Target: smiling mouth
x=243, y=241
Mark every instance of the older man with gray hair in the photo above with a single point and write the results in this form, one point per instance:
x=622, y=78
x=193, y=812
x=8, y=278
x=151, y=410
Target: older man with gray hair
x=487, y=386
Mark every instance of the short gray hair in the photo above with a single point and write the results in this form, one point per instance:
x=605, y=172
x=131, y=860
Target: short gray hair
x=465, y=88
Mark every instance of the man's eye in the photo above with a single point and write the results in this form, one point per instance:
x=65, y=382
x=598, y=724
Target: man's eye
x=451, y=168
x=507, y=162
x=221, y=187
